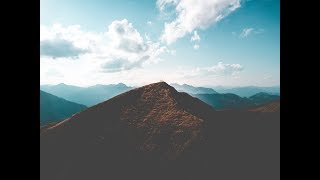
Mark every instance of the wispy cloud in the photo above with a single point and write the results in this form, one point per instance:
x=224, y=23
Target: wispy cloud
x=193, y=14
x=195, y=37
x=248, y=31
x=220, y=69
x=118, y=65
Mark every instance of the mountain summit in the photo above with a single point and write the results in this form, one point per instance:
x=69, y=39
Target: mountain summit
x=154, y=121
x=156, y=132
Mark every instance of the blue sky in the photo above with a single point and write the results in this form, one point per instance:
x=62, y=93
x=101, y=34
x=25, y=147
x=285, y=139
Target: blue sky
x=202, y=43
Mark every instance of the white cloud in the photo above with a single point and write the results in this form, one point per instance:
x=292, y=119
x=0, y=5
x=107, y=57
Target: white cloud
x=57, y=48
x=195, y=37
x=149, y=23
x=118, y=65
x=120, y=48
x=110, y=55
x=221, y=69
x=161, y=4
x=218, y=74
x=73, y=35
x=248, y=31
x=125, y=37
x=267, y=77
x=194, y=14
x=129, y=48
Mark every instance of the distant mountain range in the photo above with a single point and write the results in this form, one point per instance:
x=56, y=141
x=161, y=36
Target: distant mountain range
x=263, y=98
x=156, y=132
x=225, y=101
x=232, y=101
x=193, y=90
x=92, y=95
x=88, y=96
x=54, y=109
x=248, y=91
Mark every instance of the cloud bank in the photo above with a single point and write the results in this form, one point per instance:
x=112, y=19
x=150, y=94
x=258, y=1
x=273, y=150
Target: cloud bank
x=120, y=48
x=57, y=48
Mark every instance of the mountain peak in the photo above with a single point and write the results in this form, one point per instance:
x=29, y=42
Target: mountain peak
x=159, y=85
x=155, y=111
x=61, y=84
x=121, y=85
x=149, y=125
x=153, y=89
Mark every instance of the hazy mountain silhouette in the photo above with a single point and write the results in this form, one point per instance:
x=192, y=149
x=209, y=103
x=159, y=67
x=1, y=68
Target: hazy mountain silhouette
x=192, y=90
x=248, y=91
x=232, y=101
x=156, y=132
x=225, y=101
x=53, y=108
x=92, y=95
x=86, y=95
x=263, y=98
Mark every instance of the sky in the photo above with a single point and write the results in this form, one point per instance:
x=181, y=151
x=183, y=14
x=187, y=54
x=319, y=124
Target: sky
x=137, y=42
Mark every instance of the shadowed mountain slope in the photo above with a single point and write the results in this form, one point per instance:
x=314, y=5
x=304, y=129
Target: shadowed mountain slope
x=268, y=107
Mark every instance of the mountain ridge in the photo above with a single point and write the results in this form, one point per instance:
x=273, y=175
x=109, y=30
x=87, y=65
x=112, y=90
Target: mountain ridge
x=148, y=107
